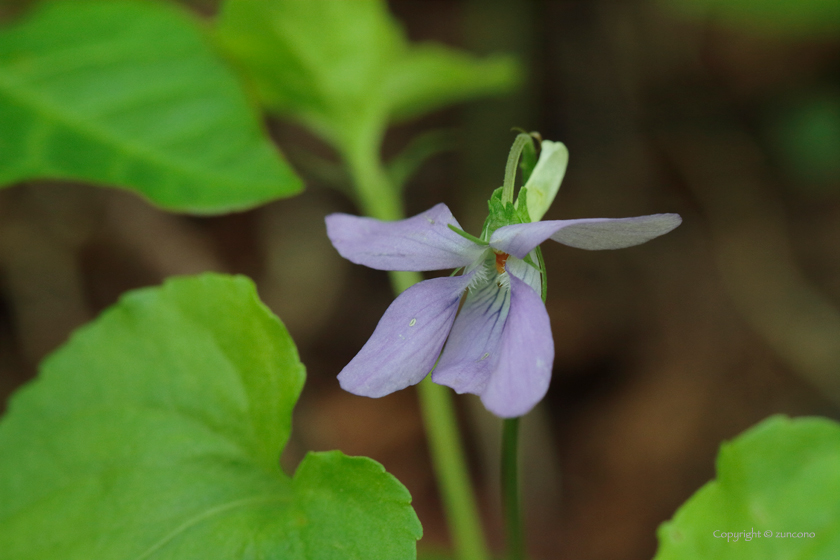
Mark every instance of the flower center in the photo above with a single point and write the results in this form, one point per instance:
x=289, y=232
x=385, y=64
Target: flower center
x=501, y=258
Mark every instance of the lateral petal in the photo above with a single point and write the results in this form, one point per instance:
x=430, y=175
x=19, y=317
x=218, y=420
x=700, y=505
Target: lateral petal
x=588, y=233
x=422, y=242
x=408, y=339
x=472, y=350
x=525, y=272
x=526, y=356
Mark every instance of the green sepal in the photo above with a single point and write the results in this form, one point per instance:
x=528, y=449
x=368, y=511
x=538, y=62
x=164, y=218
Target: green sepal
x=544, y=272
x=528, y=159
x=521, y=208
x=502, y=214
x=539, y=265
x=499, y=214
x=466, y=235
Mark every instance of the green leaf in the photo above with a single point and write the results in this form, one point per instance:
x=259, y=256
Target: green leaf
x=429, y=77
x=155, y=433
x=131, y=94
x=779, y=478
x=345, y=69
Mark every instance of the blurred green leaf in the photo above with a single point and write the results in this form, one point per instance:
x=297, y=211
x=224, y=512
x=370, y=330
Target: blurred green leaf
x=434, y=555
x=806, y=135
x=796, y=18
x=430, y=76
x=155, y=434
x=782, y=476
x=421, y=147
x=131, y=94
x=345, y=69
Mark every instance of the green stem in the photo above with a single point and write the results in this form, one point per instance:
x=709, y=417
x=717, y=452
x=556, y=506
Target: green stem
x=510, y=489
x=513, y=165
x=379, y=199
x=450, y=467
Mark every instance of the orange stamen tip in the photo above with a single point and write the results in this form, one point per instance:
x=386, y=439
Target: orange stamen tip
x=501, y=258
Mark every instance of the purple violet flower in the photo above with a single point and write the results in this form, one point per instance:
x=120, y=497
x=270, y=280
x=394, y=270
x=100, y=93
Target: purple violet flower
x=499, y=346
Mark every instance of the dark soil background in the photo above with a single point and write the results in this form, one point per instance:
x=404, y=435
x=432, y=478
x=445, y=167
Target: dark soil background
x=663, y=351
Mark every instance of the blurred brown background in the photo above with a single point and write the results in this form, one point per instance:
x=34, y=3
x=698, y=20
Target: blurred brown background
x=663, y=350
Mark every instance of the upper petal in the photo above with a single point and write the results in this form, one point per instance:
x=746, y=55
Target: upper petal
x=472, y=350
x=422, y=242
x=407, y=340
x=589, y=233
x=606, y=233
x=526, y=356
x=520, y=239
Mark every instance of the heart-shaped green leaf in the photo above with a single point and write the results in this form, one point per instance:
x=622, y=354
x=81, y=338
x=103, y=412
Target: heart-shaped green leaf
x=775, y=498
x=155, y=434
x=130, y=94
x=345, y=69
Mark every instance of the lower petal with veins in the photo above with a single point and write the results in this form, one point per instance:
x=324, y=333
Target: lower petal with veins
x=472, y=350
x=526, y=356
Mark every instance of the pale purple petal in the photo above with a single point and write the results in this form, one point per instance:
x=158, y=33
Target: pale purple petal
x=407, y=340
x=525, y=272
x=422, y=242
x=526, y=356
x=605, y=233
x=520, y=239
x=472, y=350
x=589, y=233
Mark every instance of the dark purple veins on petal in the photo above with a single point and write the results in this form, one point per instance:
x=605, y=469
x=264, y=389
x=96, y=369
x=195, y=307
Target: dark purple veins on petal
x=526, y=356
x=472, y=351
